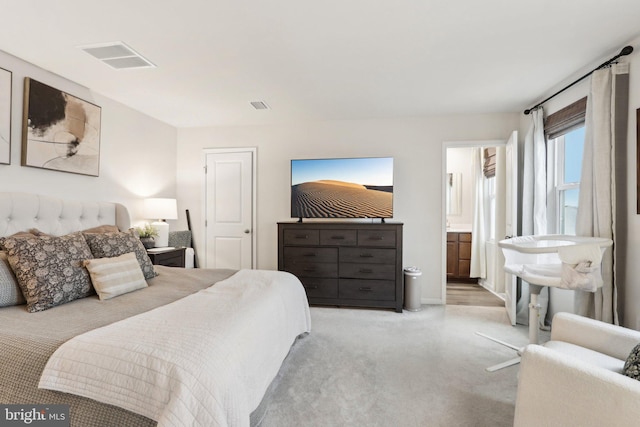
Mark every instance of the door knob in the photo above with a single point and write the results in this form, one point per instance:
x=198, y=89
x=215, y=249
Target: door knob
x=247, y=231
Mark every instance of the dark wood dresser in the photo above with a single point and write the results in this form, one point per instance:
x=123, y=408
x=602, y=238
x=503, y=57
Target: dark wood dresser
x=345, y=264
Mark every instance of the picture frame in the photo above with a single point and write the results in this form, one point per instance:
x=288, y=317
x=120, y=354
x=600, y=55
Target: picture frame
x=6, y=81
x=60, y=131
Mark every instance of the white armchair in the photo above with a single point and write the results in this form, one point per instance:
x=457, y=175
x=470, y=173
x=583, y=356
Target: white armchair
x=575, y=379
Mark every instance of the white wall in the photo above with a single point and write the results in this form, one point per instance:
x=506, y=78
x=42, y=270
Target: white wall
x=415, y=144
x=137, y=153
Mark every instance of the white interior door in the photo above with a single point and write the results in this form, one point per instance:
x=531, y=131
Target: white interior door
x=229, y=210
x=511, y=219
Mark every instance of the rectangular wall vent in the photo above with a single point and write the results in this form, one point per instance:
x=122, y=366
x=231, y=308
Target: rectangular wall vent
x=259, y=105
x=117, y=55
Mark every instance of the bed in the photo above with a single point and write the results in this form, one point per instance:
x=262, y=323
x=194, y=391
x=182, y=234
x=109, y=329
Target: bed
x=142, y=358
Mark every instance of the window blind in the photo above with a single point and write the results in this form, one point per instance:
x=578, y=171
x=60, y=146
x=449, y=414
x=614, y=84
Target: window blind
x=570, y=117
x=489, y=164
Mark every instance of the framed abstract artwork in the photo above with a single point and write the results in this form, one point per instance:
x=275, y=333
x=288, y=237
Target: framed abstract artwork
x=59, y=131
x=5, y=116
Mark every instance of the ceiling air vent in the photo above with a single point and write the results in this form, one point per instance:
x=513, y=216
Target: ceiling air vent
x=259, y=105
x=117, y=55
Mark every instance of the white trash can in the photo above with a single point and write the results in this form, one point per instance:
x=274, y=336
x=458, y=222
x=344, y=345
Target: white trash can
x=412, y=289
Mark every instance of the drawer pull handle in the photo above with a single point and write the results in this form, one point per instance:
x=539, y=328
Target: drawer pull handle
x=310, y=254
x=365, y=289
x=309, y=269
x=366, y=270
x=302, y=236
x=376, y=238
x=311, y=287
x=337, y=237
x=366, y=256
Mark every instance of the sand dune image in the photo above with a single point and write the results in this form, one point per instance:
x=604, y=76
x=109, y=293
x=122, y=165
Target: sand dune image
x=337, y=199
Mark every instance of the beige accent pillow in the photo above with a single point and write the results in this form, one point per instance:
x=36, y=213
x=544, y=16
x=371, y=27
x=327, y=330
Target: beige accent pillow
x=115, y=276
x=109, y=245
x=101, y=229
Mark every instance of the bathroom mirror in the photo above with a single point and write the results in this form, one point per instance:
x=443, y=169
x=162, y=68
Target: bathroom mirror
x=454, y=193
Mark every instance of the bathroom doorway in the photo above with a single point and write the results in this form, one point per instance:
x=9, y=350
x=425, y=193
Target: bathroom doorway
x=466, y=191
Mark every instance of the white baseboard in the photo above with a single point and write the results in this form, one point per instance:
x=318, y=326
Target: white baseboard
x=489, y=287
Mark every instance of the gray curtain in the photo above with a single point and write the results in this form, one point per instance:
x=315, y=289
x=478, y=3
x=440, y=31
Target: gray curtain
x=605, y=129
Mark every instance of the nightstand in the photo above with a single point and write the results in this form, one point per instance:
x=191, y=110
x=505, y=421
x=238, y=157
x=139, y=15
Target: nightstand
x=170, y=257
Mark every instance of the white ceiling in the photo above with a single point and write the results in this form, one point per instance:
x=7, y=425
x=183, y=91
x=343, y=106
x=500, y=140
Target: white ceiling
x=322, y=60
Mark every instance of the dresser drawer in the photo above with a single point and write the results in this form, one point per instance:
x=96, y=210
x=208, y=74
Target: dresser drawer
x=296, y=255
x=301, y=237
x=320, y=288
x=312, y=269
x=368, y=256
x=338, y=237
x=377, y=238
x=368, y=271
x=379, y=290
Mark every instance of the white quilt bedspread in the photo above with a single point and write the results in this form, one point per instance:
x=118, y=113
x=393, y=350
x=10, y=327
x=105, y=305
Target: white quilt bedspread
x=206, y=359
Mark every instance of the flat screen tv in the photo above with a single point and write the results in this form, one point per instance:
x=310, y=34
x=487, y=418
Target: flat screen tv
x=342, y=188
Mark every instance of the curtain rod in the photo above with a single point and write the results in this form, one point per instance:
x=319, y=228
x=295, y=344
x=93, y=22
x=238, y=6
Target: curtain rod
x=625, y=51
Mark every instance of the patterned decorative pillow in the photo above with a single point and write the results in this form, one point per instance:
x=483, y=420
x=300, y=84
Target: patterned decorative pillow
x=49, y=269
x=632, y=365
x=109, y=245
x=18, y=234
x=10, y=293
x=180, y=239
x=115, y=276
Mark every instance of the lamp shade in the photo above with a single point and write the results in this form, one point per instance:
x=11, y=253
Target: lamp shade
x=158, y=208
x=161, y=209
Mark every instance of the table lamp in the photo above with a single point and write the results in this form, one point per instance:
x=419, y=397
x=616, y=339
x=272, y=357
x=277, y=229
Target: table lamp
x=162, y=209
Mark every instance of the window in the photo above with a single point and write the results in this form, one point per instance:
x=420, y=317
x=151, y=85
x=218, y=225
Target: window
x=568, y=167
x=489, y=183
x=565, y=133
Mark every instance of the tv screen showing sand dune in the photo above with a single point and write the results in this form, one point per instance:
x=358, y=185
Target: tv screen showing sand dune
x=342, y=188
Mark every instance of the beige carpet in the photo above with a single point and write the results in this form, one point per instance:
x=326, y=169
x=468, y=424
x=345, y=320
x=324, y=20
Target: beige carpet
x=379, y=368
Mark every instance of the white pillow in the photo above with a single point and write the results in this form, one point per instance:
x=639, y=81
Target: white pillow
x=115, y=276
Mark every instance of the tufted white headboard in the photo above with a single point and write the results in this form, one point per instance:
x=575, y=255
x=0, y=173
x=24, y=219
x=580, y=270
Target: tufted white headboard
x=51, y=215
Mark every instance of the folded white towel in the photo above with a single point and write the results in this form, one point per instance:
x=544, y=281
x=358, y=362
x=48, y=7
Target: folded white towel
x=581, y=267
x=583, y=276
